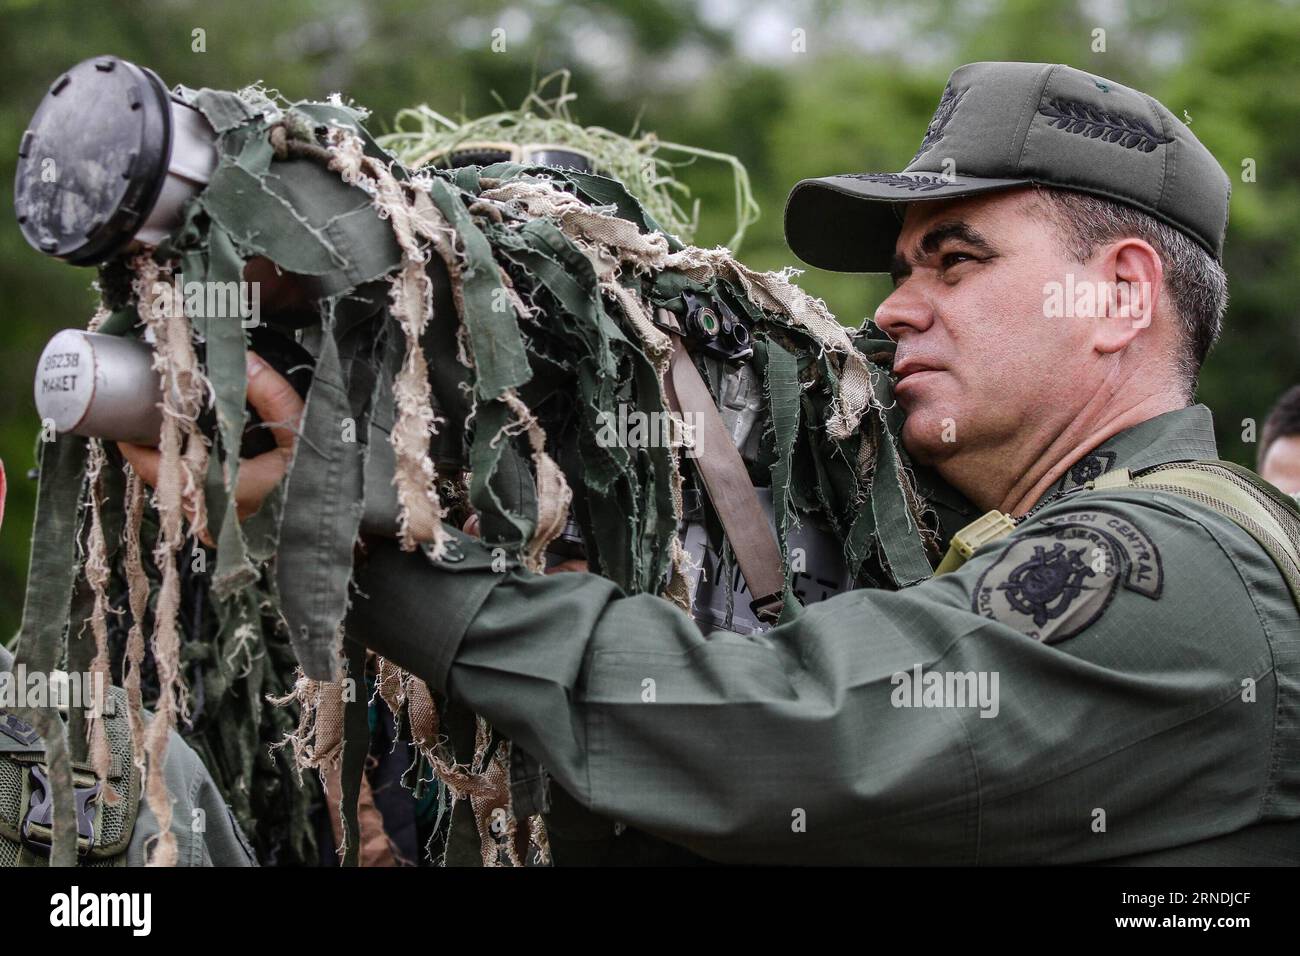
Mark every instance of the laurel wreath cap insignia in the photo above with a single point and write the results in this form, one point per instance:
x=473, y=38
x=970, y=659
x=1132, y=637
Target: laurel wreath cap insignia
x=1084, y=119
x=943, y=114
x=913, y=181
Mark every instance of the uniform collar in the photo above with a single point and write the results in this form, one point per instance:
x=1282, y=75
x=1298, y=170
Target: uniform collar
x=1186, y=434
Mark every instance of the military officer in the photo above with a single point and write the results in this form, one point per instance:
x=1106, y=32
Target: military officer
x=1100, y=672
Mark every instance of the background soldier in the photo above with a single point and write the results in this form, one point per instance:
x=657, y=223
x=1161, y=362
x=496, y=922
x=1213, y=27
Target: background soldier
x=206, y=833
x=1279, y=444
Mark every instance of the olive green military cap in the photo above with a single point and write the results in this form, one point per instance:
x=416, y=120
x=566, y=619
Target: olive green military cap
x=1002, y=125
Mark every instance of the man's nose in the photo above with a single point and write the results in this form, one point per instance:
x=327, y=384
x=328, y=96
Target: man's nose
x=904, y=309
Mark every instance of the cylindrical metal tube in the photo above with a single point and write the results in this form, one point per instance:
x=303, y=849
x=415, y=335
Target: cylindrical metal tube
x=100, y=386
x=109, y=157
x=189, y=167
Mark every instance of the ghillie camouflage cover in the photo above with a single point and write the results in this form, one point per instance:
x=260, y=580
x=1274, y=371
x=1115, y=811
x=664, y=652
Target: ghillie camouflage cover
x=471, y=330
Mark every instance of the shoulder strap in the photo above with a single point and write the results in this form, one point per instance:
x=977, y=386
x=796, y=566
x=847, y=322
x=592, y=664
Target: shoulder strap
x=727, y=482
x=1259, y=509
x=1241, y=496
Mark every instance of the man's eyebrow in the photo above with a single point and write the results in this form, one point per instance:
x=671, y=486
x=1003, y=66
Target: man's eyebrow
x=900, y=267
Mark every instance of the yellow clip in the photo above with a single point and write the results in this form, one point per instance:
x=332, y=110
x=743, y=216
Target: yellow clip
x=986, y=528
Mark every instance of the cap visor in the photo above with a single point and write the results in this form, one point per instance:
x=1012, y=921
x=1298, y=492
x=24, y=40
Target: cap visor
x=848, y=223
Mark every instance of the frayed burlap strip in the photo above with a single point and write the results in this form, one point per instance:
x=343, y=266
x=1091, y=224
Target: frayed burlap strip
x=317, y=744
x=138, y=598
x=317, y=741
x=97, y=574
x=98, y=319
x=865, y=467
x=411, y=296
x=485, y=783
x=538, y=838
x=490, y=799
x=553, y=492
x=181, y=467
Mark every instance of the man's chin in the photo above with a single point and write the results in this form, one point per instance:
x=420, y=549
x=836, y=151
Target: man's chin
x=929, y=438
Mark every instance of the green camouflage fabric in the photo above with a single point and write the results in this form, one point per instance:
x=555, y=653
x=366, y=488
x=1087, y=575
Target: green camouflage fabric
x=278, y=585
x=1146, y=709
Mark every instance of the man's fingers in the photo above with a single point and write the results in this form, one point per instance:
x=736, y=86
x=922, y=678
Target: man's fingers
x=144, y=461
x=274, y=400
x=279, y=406
x=471, y=526
x=257, y=479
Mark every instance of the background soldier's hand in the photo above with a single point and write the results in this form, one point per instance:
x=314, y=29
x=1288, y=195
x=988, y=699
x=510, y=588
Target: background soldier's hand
x=573, y=564
x=277, y=404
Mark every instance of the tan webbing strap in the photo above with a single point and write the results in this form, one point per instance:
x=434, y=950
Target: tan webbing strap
x=729, y=488
x=1237, y=495
x=1227, y=489
x=990, y=526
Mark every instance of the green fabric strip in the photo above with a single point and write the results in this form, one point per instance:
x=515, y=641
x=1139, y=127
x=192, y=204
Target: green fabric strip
x=493, y=326
x=228, y=373
x=42, y=643
x=501, y=486
x=54, y=561
x=781, y=383
x=224, y=110
x=895, y=528
x=324, y=494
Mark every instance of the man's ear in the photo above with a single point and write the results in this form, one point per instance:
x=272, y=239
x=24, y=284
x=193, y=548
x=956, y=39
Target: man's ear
x=1134, y=273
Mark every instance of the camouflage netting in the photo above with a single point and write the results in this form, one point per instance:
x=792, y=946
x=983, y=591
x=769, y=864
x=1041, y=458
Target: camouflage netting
x=470, y=327
x=646, y=164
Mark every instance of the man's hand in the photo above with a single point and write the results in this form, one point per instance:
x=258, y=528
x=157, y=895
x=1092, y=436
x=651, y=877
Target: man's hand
x=573, y=564
x=280, y=407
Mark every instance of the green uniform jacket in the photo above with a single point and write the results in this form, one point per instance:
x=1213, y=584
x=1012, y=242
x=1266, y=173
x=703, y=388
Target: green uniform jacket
x=1118, y=681
x=206, y=831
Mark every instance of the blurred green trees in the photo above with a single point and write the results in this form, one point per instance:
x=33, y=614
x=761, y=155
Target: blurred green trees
x=795, y=89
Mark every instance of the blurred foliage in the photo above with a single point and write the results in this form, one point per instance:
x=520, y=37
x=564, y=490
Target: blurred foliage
x=796, y=89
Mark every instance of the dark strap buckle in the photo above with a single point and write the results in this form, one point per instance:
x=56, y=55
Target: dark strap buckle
x=38, y=821
x=768, y=609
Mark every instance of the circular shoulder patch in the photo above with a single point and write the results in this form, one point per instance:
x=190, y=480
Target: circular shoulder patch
x=1051, y=583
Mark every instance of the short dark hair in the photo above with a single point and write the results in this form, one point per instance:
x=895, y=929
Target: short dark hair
x=1282, y=422
x=1195, y=279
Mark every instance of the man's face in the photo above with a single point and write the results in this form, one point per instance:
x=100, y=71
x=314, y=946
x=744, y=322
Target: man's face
x=1281, y=464
x=977, y=360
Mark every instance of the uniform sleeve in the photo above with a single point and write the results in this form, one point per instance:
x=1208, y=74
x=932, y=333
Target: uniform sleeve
x=224, y=842
x=205, y=829
x=1074, y=693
